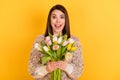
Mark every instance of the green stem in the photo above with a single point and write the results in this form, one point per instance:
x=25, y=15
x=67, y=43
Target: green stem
x=54, y=74
x=59, y=74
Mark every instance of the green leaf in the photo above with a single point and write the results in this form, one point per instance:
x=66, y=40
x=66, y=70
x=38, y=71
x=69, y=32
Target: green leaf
x=59, y=52
x=45, y=59
x=65, y=36
x=50, y=34
x=54, y=55
x=43, y=43
x=48, y=53
x=41, y=50
x=63, y=49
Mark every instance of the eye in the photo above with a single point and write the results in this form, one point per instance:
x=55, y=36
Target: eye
x=62, y=16
x=53, y=16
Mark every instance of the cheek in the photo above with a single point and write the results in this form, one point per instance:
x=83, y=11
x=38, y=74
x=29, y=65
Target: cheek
x=63, y=21
x=52, y=22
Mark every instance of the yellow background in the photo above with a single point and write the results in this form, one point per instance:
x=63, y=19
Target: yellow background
x=95, y=22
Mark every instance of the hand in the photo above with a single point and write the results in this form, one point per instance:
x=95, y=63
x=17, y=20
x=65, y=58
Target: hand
x=62, y=64
x=51, y=66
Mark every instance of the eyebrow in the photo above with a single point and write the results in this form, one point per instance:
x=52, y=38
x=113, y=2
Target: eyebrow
x=60, y=15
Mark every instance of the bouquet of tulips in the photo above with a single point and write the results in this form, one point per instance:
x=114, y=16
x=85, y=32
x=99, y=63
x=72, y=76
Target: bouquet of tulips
x=56, y=48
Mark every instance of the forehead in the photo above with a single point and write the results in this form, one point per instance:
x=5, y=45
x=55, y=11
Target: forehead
x=57, y=12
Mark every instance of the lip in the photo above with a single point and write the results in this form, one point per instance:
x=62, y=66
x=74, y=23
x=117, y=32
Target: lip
x=57, y=25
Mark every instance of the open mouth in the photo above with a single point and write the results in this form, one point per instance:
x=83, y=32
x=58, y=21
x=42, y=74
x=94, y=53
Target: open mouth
x=58, y=26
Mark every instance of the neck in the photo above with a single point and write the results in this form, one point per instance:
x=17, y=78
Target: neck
x=55, y=33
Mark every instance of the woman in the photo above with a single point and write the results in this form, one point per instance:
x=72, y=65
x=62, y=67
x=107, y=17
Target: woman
x=57, y=23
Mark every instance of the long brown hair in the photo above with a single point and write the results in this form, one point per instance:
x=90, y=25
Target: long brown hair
x=66, y=29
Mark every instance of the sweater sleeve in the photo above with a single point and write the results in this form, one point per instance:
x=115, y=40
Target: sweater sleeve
x=34, y=66
x=76, y=65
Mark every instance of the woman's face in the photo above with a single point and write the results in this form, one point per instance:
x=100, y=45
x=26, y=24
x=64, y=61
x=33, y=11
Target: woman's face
x=57, y=21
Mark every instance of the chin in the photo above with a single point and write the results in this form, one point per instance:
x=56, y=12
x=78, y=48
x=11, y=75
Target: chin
x=58, y=30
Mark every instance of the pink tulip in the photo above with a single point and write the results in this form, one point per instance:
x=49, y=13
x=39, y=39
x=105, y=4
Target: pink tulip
x=55, y=47
x=47, y=40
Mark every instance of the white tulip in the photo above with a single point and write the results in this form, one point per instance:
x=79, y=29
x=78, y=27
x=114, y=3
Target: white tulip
x=68, y=56
x=60, y=40
x=70, y=40
x=46, y=48
x=54, y=38
x=37, y=46
x=65, y=43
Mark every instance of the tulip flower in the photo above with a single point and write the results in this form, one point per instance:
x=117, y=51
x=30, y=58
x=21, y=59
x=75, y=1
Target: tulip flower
x=60, y=40
x=46, y=48
x=65, y=43
x=55, y=47
x=37, y=46
x=69, y=46
x=68, y=56
x=70, y=40
x=54, y=38
x=73, y=48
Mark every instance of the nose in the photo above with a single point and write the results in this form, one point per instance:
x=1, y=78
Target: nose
x=57, y=20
